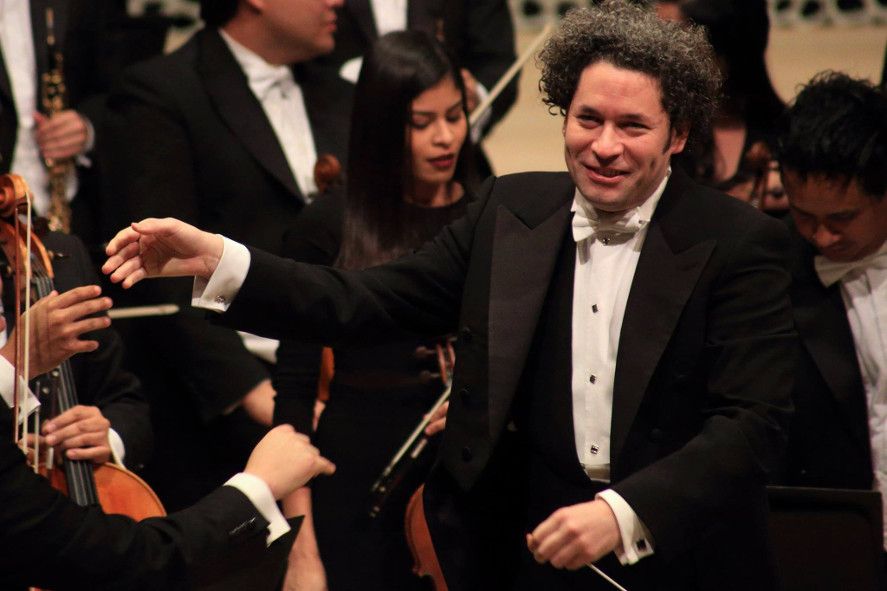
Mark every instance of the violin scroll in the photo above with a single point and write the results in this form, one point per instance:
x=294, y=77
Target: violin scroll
x=13, y=194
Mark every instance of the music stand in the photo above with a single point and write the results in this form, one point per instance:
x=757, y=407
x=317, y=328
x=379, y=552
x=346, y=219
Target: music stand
x=827, y=538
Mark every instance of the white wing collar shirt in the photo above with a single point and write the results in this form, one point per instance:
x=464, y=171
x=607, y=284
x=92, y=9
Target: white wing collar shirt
x=607, y=250
x=284, y=105
x=864, y=291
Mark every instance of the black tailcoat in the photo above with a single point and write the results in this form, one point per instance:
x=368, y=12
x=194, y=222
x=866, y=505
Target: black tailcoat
x=702, y=385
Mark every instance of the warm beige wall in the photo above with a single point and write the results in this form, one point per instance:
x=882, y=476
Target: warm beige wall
x=530, y=139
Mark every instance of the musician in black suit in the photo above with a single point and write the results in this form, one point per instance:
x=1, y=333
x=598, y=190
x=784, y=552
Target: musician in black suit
x=832, y=158
x=224, y=133
x=622, y=385
x=113, y=419
x=479, y=32
x=88, y=33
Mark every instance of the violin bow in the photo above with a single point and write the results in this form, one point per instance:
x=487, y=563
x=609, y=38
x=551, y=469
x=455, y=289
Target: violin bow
x=479, y=111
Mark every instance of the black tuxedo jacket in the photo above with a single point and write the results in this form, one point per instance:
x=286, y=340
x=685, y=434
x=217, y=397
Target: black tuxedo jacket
x=479, y=32
x=187, y=138
x=829, y=444
x=703, y=376
x=49, y=541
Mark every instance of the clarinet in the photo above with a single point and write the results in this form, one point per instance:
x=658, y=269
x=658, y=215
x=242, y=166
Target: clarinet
x=53, y=98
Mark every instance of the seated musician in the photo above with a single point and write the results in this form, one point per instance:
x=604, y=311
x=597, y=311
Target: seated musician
x=50, y=541
x=112, y=421
x=407, y=177
x=832, y=156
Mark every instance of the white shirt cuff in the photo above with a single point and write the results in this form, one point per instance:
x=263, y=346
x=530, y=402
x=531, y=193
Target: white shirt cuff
x=637, y=542
x=118, y=450
x=7, y=383
x=257, y=491
x=219, y=291
x=477, y=130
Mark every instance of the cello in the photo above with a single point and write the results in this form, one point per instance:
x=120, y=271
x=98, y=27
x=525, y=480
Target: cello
x=110, y=486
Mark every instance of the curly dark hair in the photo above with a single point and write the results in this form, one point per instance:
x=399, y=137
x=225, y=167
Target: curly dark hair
x=632, y=37
x=837, y=127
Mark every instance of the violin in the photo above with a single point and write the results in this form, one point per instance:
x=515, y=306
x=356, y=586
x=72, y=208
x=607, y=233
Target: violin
x=110, y=486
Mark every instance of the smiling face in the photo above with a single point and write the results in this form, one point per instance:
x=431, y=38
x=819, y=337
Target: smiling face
x=839, y=219
x=435, y=134
x=617, y=138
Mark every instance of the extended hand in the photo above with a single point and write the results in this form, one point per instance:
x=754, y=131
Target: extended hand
x=286, y=460
x=576, y=535
x=57, y=322
x=62, y=136
x=161, y=248
x=81, y=433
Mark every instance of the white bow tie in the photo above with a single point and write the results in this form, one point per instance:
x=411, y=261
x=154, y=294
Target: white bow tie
x=830, y=272
x=585, y=227
x=270, y=77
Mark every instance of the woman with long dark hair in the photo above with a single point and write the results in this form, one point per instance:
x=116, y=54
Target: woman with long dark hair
x=407, y=177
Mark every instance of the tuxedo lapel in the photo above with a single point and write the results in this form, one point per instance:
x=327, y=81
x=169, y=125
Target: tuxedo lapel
x=363, y=15
x=523, y=259
x=663, y=282
x=821, y=320
x=227, y=87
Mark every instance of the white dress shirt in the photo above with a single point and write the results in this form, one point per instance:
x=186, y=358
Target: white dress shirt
x=17, y=43
x=864, y=290
x=284, y=105
x=389, y=15
x=607, y=252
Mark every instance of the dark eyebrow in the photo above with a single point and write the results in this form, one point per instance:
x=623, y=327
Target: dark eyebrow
x=640, y=117
x=431, y=114
x=840, y=213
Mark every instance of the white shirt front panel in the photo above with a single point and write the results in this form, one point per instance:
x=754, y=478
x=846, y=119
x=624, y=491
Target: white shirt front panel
x=389, y=15
x=603, y=275
x=284, y=105
x=864, y=291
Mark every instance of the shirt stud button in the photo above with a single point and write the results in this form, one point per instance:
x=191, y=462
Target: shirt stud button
x=592, y=378
x=594, y=449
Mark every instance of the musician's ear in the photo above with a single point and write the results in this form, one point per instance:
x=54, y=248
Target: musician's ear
x=677, y=140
